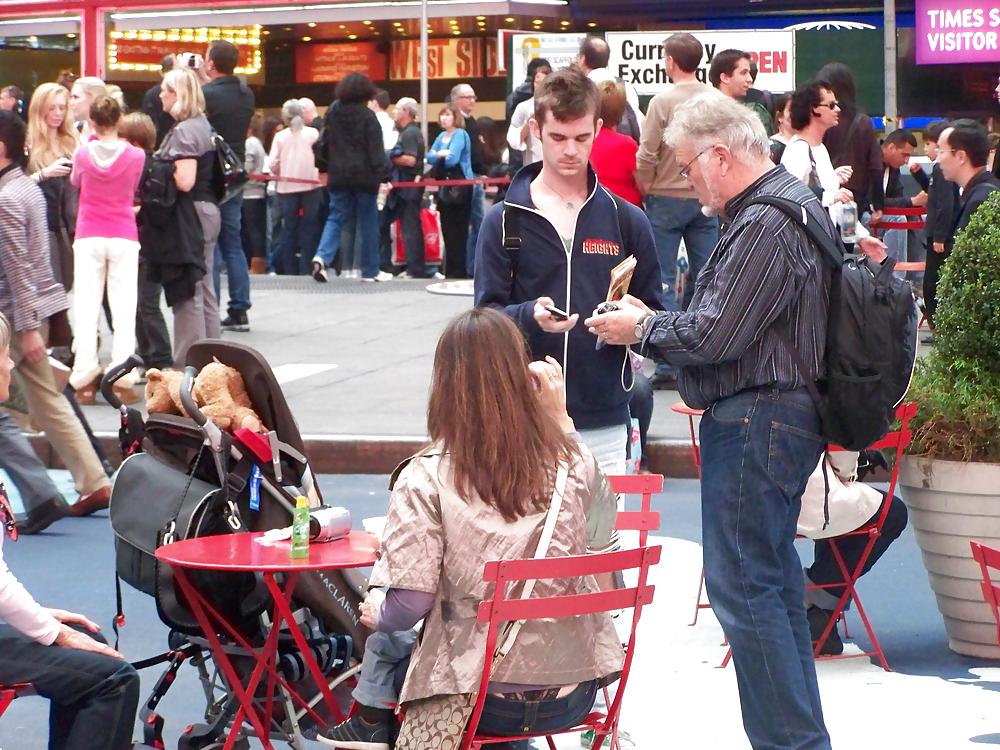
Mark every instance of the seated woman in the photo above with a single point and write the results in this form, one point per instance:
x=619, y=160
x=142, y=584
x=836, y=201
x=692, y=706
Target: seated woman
x=837, y=502
x=94, y=692
x=481, y=491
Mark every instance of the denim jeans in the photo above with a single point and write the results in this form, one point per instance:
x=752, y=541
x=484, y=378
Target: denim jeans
x=895, y=241
x=229, y=250
x=674, y=219
x=93, y=697
x=386, y=659
x=26, y=471
x=825, y=570
x=758, y=449
x=347, y=206
x=476, y=215
x=300, y=234
x=505, y=717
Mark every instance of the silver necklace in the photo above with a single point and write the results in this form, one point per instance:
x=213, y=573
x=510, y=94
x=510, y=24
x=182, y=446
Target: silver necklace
x=569, y=204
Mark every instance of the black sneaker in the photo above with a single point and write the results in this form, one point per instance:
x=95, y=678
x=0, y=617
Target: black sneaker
x=818, y=618
x=357, y=734
x=43, y=516
x=236, y=321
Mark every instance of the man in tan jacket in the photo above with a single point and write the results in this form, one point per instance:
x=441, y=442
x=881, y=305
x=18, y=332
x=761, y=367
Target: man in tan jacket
x=671, y=205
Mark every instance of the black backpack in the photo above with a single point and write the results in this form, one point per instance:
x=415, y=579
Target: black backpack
x=871, y=340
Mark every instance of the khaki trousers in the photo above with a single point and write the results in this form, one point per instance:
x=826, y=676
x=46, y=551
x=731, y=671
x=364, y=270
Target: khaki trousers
x=50, y=412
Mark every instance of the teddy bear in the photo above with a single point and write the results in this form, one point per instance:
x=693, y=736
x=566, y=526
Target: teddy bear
x=218, y=390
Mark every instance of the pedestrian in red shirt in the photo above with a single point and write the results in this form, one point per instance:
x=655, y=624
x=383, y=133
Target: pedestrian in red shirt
x=613, y=156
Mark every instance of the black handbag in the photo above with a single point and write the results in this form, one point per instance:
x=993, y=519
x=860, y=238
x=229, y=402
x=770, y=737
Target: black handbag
x=230, y=174
x=451, y=195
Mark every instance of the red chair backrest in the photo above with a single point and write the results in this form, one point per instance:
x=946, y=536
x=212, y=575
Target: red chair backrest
x=643, y=520
x=911, y=223
x=500, y=609
x=898, y=440
x=988, y=558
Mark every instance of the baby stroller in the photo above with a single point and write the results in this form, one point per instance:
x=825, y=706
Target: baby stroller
x=184, y=477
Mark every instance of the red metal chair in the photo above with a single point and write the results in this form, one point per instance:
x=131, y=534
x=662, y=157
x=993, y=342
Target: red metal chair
x=501, y=609
x=897, y=440
x=989, y=558
x=9, y=692
x=914, y=219
x=643, y=520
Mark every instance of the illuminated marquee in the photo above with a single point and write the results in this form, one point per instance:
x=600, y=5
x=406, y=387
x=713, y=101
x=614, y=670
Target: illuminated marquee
x=143, y=50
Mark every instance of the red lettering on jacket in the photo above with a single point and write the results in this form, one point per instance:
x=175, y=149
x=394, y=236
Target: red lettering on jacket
x=601, y=247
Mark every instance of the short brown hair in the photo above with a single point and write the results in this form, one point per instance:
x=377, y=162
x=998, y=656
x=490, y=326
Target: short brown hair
x=685, y=49
x=105, y=111
x=224, y=55
x=482, y=393
x=568, y=94
x=455, y=112
x=613, y=102
x=138, y=129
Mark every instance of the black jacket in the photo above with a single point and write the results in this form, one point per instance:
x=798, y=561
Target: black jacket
x=352, y=142
x=853, y=142
x=894, y=195
x=229, y=103
x=975, y=194
x=942, y=207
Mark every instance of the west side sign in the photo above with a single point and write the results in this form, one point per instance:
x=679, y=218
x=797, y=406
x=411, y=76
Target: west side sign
x=637, y=57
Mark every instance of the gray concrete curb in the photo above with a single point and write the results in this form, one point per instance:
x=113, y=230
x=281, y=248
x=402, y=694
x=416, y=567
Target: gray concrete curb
x=379, y=454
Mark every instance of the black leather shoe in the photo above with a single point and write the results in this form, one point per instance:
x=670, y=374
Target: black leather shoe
x=236, y=321
x=818, y=618
x=43, y=516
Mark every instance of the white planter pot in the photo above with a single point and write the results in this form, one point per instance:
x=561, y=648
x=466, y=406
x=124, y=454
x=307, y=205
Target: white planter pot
x=951, y=503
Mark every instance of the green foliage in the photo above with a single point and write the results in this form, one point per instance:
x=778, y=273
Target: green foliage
x=958, y=384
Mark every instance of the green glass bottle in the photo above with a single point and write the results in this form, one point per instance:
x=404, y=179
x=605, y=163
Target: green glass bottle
x=300, y=529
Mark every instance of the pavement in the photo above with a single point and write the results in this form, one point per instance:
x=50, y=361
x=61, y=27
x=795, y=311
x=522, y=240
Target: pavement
x=677, y=697
x=354, y=360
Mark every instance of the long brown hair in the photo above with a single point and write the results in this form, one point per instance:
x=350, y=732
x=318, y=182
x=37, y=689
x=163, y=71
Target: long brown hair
x=485, y=412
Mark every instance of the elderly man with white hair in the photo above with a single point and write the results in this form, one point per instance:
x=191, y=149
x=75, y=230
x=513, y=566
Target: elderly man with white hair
x=407, y=158
x=763, y=285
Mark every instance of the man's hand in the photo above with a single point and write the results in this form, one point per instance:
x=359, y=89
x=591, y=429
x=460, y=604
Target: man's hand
x=369, y=609
x=72, y=618
x=69, y=638
x=939, y=247
x=843, y=196
x=32, y=346
x=873, y=248
x=920, y=199
x=844, y=173
x=876, y=216
x=915, y=167
x=551, y=388
x=547, y=321
x=618, y=326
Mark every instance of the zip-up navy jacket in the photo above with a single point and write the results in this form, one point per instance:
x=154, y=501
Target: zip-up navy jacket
x=576, y=281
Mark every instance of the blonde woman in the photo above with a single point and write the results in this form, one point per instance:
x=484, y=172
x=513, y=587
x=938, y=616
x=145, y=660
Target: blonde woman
x=81, y=96
x=189, y=146
x=51, y=144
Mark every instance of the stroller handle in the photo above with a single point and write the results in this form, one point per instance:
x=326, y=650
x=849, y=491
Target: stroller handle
x=187, y=396
x=116, y=373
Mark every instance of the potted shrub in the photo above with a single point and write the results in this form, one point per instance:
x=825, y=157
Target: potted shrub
x=951, y=479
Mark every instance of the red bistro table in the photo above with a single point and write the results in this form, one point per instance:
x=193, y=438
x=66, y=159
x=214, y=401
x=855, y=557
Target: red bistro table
x=240, y=553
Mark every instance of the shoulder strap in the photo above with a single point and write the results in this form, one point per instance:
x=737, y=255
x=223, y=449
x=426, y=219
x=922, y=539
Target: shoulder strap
x=541, y=551
x=833, y=255
x=510, y=229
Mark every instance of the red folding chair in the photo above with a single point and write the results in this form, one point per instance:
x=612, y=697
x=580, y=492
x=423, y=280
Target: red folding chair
x=914, y=219
x=897, y=440
x=989, y=558
x=501, y=609
x=643, y=520
x=9, y=692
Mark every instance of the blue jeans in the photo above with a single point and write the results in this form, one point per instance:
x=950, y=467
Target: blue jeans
x=300, y=234
x=93, y=697
x=229, y=250
x=387, y=656
x=507, y=716
x=674, y=219
x=347, y=206
x=758, y=449
x=476, y=215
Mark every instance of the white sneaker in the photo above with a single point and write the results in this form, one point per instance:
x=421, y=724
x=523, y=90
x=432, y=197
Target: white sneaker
x=384, y=276
x=438, y=275
x=318, y=271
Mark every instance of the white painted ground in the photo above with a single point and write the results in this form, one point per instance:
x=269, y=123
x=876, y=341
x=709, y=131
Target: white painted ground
x=677, y=698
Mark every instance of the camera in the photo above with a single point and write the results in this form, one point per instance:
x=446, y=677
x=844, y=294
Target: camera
x=188, y=60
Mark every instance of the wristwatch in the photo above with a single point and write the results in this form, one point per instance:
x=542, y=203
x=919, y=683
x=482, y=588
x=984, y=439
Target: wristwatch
x=640, y=326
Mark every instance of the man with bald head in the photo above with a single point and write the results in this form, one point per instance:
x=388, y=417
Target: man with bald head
x=310, y=115
x=594, y=56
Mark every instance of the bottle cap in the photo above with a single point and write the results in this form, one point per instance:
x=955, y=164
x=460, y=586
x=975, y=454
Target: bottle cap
x=301, y=502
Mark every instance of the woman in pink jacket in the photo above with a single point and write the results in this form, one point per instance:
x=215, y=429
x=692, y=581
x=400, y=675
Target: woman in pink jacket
x=107, y=171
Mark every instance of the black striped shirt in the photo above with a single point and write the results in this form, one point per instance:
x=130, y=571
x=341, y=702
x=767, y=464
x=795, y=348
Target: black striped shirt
x=763, y=276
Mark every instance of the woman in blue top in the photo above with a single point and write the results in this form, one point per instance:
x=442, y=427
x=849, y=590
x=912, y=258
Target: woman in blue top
x=451, y=157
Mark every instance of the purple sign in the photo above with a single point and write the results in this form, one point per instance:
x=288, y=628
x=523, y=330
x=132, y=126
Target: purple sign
x=957, y=31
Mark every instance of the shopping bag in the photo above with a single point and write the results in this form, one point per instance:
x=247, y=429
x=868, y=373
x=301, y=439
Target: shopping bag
x=430, y=224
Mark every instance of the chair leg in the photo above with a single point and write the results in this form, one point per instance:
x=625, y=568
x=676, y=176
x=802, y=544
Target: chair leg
x=551, y=743
x=698, y=606
x=726, y=659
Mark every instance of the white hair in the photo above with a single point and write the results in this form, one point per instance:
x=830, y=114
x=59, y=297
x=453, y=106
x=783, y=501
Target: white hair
x=408, y=104
x=460, y=89
x=712, y=118
x=291, y=112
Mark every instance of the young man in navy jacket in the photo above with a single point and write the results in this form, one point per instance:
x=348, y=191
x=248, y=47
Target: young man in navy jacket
x=571, y=236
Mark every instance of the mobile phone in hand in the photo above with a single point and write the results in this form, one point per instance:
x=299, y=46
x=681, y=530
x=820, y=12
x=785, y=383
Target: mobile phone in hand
x=556, y=313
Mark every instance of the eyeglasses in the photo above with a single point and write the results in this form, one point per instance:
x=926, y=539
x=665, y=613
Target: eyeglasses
x=686, y=170
x=831, y=105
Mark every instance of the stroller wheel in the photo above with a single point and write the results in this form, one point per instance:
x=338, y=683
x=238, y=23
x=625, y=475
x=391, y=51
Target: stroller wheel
x=205, y=737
